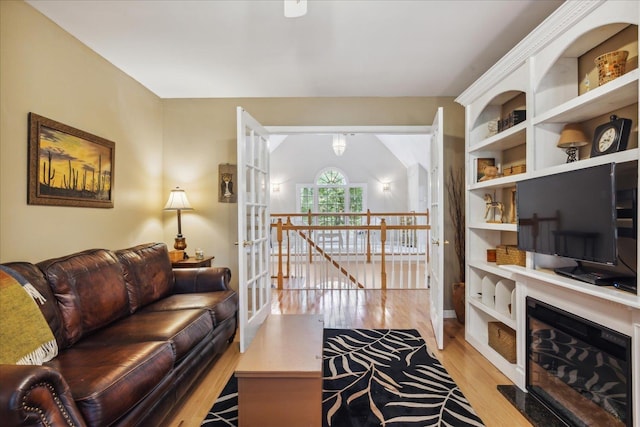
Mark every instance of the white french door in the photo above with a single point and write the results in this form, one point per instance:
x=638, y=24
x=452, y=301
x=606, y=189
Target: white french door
x=254, y=278
x=436, y=248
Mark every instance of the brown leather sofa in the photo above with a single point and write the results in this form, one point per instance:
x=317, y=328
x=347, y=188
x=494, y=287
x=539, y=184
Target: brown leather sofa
x=133, y=337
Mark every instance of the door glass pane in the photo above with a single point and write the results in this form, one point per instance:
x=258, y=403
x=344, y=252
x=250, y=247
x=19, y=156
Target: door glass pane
x=251, y=305
x=247, y=144
x=264, y=151
x=249, y=185
x=257, y=186
x=250, y=238
x=262, y=199
x=256, y=149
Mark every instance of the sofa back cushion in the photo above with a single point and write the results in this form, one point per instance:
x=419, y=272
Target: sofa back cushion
x=148, y=273
x=90, y=290
x=49, y=307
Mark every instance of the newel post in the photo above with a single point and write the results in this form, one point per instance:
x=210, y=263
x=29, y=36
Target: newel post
x=279, y=238
x=368, y=236
x=383, y=239
x=309, y=237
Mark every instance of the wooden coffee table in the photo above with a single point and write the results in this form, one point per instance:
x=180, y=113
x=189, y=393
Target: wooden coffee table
x=280, y=374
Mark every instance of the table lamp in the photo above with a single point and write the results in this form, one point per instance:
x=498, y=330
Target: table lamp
x=571, y=138
x=178, y=202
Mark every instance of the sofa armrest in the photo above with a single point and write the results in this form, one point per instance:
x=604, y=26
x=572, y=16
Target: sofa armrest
x=36, y=395
x=203, y=279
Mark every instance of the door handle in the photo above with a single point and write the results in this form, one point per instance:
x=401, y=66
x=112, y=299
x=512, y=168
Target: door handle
x=437, y=242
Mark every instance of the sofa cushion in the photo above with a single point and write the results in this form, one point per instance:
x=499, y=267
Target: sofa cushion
x=222, y=304
x=90, y=289
x=147, y=272
x=106, y=382
x=184, y=329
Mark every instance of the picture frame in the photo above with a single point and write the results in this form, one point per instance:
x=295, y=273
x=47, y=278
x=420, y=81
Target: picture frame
x=68, y=166
x=482, y=163
x=226, y=183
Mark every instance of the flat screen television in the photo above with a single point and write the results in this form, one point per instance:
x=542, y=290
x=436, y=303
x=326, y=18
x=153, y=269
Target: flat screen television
x=570, y=214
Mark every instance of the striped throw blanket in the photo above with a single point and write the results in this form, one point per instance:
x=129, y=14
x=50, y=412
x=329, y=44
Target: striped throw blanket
x=25, y=336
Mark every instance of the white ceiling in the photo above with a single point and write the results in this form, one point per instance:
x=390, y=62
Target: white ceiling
x=247, y=48
x=409, y=149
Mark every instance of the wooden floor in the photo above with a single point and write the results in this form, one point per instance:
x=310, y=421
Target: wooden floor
x=393, y=309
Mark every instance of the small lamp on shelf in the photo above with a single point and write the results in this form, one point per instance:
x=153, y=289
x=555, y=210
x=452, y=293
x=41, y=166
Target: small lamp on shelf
x=178, y=202
x=571, y=138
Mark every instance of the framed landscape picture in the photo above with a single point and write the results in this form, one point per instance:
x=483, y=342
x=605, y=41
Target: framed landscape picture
x=67, y=166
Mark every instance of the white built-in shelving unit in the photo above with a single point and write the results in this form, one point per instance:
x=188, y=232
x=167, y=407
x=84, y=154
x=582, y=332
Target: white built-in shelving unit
x=550, y=74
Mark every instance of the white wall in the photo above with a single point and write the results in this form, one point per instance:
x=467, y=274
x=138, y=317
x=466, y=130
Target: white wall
x=417, y=188
x=300, y=158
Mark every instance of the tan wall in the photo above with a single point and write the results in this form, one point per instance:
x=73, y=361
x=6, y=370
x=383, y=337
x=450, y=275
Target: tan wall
x=46, y=71
x=453, y=158
x=200, y=134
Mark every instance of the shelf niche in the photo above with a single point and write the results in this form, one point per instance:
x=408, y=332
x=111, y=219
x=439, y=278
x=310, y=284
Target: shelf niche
x=506, y=146
x=569, y=91
x=564, y=75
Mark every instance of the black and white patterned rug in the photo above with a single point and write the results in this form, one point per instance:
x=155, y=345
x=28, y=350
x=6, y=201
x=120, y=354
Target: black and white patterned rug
x=375, y=377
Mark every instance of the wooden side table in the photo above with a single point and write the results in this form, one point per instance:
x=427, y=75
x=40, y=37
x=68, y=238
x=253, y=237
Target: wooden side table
x=192, y=262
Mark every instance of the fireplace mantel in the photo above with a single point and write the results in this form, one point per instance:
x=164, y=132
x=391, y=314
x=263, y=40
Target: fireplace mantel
x=607, y=293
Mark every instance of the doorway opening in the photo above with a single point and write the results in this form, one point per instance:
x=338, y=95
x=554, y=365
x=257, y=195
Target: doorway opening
x=381, y=170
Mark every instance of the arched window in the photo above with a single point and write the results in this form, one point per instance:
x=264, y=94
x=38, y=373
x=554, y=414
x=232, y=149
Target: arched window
x=332, y=193
x=331, y=177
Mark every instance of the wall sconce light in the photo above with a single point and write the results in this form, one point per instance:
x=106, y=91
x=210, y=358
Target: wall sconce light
x=178, y=202
x=386, y=187
x=275, y=188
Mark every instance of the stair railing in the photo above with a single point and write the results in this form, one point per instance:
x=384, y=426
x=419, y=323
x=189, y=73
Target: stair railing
x=359, y=250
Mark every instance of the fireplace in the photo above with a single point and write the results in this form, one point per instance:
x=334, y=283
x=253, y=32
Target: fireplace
x=578, y=369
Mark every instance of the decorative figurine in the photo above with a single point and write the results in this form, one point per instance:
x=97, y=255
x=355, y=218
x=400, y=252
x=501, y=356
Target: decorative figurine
x=491, y=207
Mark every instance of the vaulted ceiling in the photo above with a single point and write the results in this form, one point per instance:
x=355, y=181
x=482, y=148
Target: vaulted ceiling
x=247, y=48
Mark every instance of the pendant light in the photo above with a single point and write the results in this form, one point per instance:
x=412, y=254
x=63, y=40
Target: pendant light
x=339, y=144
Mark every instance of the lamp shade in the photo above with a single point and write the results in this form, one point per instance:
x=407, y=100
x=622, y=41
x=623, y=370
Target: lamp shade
x=339, y=144
x=572, y=136
x=178, y=201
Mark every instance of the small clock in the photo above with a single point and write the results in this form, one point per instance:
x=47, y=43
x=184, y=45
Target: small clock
x=611, y=137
